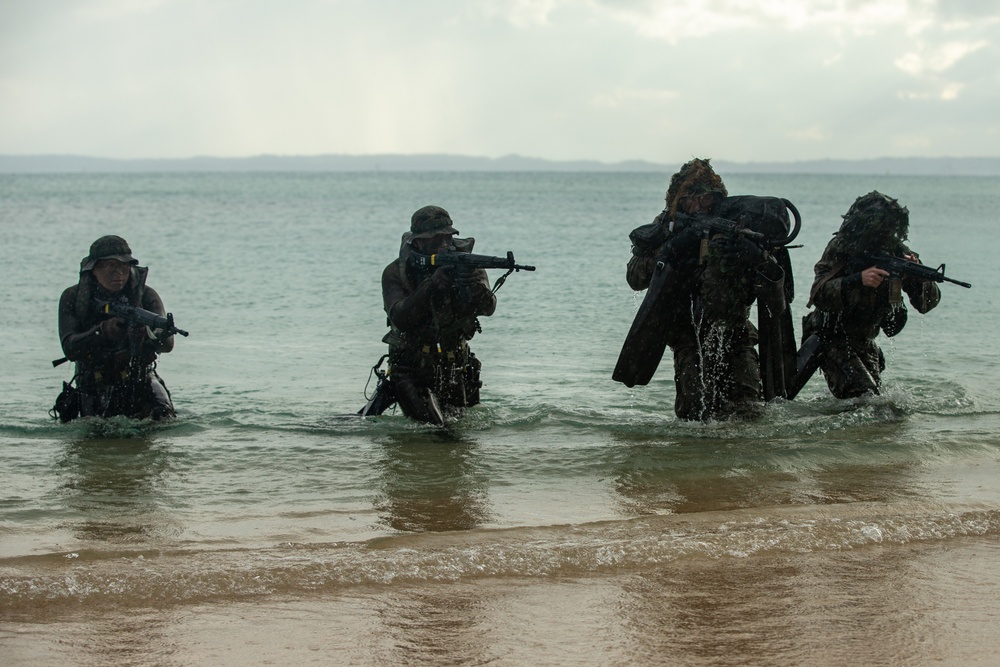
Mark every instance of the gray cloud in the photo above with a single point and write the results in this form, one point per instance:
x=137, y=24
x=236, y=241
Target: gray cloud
x=561, y=79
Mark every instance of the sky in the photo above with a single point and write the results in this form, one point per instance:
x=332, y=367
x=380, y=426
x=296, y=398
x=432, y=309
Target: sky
x=607, y=80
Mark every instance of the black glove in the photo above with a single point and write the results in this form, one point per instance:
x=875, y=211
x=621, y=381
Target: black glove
x=684, y=247
x=469, y=286
x=466, y=276
x=441, y=280
x=737, y=254
x=113, y=328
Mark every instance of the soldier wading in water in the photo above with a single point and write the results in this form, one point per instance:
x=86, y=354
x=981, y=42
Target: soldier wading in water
x=704, y=312
x=855, y=299
x=115, y=359
x=432, y=312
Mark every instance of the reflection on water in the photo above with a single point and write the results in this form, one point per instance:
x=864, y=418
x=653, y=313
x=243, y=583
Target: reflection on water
x=114, y=485
x=700, y=476
x=431, y=627
x=432, y=481
x=895, y=606
x=129, y=640
x=868, y=483
x=707, y=612
x=859, y=607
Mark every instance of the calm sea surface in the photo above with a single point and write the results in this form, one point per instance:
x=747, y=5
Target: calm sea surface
x=566, y=520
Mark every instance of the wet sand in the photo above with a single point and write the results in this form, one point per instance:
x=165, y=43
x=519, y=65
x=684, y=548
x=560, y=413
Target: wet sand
x=934, y=603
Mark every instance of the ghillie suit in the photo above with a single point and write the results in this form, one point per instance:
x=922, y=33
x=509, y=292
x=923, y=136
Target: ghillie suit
x=849, y=315
x=698, y=304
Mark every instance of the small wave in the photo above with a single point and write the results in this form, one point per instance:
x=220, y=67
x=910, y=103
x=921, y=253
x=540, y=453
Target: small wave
x=643, y=416
x=98, y=428
x=181, y=577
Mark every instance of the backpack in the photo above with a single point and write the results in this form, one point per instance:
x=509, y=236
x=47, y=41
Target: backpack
x=775, y=218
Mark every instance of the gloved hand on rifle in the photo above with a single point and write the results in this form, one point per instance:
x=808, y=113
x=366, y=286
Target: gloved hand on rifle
x=113, y=328
x=140, y=333
x=684, y=248
x=465, y=276
x=469, y=286
x=440, y=281
x=736, y=254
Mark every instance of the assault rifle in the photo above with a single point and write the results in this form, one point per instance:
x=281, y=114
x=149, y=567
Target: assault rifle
x=136, y=315
x=468, y=259
x=471, y=260
x=903, y=268
x=710, y=226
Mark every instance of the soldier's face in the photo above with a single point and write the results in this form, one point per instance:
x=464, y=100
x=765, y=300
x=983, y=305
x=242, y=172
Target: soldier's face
x=694, y=204
x=111, y=274
x=435, y=244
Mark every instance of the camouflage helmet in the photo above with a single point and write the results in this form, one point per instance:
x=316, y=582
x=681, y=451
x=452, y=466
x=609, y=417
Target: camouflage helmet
x=874, y=222
x=695, y=178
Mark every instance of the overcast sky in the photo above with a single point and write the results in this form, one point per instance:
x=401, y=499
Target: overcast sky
x=609, y=80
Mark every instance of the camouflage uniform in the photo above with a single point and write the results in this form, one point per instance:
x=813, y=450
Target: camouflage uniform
x=716, y=366
x=113, y=376
x=432, y=314
x=849, y=314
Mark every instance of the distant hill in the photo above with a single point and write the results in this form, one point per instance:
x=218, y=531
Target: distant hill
x=943, y=166
x=38, y=164
x=315, y=163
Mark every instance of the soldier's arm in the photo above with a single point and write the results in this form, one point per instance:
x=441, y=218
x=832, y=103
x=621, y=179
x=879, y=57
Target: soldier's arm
x=76, y=340
x=833, y=289
x=923, y=294
x=640, y=271
x=406, y=310
x=482, y=294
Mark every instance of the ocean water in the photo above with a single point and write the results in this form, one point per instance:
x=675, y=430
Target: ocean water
x=566, y=520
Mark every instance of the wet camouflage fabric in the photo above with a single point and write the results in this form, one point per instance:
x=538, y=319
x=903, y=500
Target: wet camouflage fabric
x=716, y=368
x=430, y=330
x=849, y=315
x=111, y=381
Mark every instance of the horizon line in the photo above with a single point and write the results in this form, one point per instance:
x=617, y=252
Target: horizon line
x=915, y=165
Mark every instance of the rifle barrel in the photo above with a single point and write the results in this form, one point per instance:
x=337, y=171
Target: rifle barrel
x=899, y=265
x=956, y=282
x=471, y=259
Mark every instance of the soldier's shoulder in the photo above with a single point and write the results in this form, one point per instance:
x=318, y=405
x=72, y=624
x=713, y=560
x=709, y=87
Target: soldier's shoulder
x=392, y=270
x=69, y=292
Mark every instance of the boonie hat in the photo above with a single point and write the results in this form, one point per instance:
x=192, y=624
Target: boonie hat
x=430, y=221
x=108, y=247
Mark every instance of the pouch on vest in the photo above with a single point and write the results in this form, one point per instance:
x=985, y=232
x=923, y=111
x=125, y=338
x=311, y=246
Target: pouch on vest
x=647, y=239
x=68, y=404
